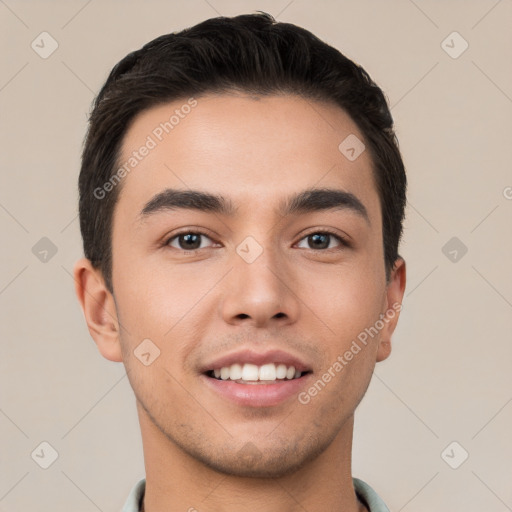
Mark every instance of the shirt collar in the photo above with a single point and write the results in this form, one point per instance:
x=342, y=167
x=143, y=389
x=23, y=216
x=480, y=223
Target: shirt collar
x=363, y=491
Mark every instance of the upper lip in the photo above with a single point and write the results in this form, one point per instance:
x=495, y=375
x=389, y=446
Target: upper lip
x=257, y=358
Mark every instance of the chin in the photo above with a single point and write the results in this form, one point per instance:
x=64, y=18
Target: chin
x=264, y=467
x=269, y=462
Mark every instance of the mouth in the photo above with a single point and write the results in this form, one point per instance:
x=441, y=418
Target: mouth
x=248, y=373
x=256, y=380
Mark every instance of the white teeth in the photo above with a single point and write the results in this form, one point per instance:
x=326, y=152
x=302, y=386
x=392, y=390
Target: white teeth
x=281, y=371
x=290, y=372
x=235, y=371
x=252, y=372
x=268, y=372
x=249, y=372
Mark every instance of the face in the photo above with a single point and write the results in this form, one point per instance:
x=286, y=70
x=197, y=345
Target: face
x=252, y=289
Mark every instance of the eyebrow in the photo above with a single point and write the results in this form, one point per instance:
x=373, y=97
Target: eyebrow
x=306, y=201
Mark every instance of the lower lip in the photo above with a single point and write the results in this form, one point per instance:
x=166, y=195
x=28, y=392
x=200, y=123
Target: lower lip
x=257, y=395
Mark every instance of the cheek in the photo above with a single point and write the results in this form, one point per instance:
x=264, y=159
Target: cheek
x=345, y=301
x=350, y=347
x=150, y=298
x=164, y=304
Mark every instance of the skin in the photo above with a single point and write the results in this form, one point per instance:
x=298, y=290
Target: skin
x=202, y=451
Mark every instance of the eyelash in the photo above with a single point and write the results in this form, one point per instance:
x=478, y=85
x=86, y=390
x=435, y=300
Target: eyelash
x=343, y=241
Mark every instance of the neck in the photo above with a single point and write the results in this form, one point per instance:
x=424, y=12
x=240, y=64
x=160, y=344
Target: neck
x=175, y=481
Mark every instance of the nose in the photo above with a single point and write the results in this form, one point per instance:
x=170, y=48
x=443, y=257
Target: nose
x=260, y=292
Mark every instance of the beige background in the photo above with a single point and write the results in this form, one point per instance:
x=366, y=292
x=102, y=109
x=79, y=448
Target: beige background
x=449, y=377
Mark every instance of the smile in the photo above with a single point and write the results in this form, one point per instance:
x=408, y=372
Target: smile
x=247, y=373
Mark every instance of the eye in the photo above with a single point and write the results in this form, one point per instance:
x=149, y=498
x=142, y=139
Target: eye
x=187, y=240
x=192, y=240
x=321, y=240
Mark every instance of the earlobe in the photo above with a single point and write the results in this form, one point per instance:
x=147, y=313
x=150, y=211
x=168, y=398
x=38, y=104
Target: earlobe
x=384, y=350
x=393, y=304
x=99, y=309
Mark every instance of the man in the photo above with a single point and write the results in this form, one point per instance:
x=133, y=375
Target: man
x=241, y=204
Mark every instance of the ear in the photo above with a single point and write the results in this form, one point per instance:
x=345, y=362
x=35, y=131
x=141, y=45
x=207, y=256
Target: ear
x=393, y=305
x=99, y=309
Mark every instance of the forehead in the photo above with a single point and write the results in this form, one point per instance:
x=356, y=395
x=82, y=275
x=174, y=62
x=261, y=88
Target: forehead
x=253, y=150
